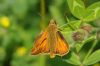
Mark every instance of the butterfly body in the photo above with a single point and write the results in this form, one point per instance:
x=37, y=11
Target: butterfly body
x=52, y=30
x=51, y=41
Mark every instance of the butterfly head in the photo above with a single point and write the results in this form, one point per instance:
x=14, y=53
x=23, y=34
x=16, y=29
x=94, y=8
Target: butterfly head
x=52, y=26
x=52, y=22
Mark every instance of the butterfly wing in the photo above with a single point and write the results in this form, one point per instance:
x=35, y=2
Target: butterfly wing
x=62, y=47
x=41, y=45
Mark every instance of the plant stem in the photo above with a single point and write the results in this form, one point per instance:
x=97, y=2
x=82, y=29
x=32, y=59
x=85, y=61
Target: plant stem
x=42, y=59
x=70, y=24
x=91, y=49
x=42, y=6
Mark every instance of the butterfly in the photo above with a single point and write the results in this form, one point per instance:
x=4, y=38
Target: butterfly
x=51, y=41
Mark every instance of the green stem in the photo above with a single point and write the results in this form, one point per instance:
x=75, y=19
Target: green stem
x=42, y=58
x=42, y=6
x=70, y=24
x=78, y=55
x=71, y=27
x=91, y=49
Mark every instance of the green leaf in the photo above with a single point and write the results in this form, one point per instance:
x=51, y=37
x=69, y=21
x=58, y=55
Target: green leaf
x=71, y=25
x=93, y=12
x=80, y=45
x=75, y=23
x=73, y=59
x=77, y=8
x=93, y=58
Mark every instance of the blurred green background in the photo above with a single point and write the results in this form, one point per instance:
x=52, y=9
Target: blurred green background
x=21, y=21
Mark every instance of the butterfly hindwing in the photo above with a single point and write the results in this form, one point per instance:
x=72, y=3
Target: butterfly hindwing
x=62, y=47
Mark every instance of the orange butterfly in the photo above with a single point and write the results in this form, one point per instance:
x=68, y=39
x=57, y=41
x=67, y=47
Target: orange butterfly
x=51, y=41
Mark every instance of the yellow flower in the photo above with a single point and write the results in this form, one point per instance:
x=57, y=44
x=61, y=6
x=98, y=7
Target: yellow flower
x=5, y=22
x=21, y=51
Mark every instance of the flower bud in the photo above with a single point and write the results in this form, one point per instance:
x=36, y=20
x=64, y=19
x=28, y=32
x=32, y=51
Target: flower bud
x=87, y=27
x=79, y=35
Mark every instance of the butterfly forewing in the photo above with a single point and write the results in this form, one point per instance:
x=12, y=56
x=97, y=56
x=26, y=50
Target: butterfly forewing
x=41, y=45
